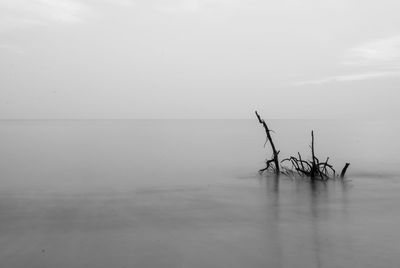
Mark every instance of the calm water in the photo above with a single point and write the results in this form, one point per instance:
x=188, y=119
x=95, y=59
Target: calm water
x=176, y=193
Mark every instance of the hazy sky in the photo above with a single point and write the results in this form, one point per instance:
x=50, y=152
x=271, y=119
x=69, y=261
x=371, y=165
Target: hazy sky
x=199, y=58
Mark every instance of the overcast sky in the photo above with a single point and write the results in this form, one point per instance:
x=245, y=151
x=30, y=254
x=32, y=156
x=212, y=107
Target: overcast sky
x=199, y=58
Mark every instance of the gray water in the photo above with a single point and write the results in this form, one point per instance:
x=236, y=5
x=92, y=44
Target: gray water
x=186, y=193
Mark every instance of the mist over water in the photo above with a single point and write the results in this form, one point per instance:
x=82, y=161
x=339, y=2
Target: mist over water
x=107, y=155
x=186, y=193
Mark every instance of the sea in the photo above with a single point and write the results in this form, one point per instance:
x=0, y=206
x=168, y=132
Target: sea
x=187, y=193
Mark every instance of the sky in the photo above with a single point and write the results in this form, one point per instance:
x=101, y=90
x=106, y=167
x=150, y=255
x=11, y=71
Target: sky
x=199, y=59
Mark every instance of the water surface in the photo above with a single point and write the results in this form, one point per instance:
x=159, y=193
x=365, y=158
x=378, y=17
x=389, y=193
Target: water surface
x=181, y=193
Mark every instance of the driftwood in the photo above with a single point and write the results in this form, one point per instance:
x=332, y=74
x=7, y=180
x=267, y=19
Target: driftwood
x=273, y=163
x=313, y=168
x=344, y=170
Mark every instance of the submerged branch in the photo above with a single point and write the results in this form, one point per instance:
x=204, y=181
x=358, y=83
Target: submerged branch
x=344, y=170
x=311, y=168
x=275, y=153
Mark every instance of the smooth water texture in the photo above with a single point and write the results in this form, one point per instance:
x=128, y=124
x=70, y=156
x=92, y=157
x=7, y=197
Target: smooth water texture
x=186, y=193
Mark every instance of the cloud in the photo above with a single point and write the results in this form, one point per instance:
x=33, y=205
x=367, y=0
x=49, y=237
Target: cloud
x=376, y=59
x=21, y=14
x=124, y=3
x=380, y=52
x=188, y=6
x=120, y=2
x=178, y=6
x=349, y=77
x=16, y=14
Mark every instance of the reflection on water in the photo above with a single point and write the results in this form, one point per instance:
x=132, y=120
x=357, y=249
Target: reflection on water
x=334, y=224
x=264, y=222
x=119, y=195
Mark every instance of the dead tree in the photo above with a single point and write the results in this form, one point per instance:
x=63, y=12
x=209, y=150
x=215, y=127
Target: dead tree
x=273, y=163
x=313, y=168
